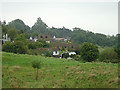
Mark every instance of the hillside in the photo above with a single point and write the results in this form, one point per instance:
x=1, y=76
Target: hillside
x=17, y=72
x=77, y=36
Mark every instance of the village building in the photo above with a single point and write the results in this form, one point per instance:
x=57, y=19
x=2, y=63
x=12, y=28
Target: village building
x=59, y=39
x=5, y=38
x=67, y=47
x=44, y=37
x=31, y=39
x=59, y=44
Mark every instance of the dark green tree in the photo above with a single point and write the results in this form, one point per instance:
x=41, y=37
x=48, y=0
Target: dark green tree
x=19, y=25
x=89, y=52
x=12, y=33
x=117, y=48
x=19, y=47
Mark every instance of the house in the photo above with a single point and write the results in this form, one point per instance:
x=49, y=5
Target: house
x=72, y=53
x=44, y=37
x=56, y=53
x=5, y=38
x=65, y=46
x=31, y=39
x=35, y=39
x=59, y=39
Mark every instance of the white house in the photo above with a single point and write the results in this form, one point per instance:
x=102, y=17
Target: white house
x=5, y=38
x=56, y=53
x=47, y=41
x=35, y=39
x=72, y=53
x=30, y=38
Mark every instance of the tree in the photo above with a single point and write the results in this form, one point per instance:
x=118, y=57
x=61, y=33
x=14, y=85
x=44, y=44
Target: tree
x=36, y=65
x=19, y=25
x=12, y=33
x=4, y=29
x=117, y=48
x=39, y=27
x=89, y=52
x=21, y=37
x=19, y=47
x=108, y=54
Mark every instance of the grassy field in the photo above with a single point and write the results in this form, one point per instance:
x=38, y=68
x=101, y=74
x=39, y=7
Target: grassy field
x=17, y=72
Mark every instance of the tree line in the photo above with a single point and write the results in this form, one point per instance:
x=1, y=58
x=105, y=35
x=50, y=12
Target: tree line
x=77, y=36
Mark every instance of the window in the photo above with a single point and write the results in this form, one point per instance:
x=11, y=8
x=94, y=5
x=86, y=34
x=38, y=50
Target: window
x=41, y=37
x=71, y=46
x=65, y=47
x=46, y=37
x=55, y=51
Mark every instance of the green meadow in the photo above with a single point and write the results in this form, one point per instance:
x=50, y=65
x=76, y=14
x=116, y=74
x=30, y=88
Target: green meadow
x=17, y=72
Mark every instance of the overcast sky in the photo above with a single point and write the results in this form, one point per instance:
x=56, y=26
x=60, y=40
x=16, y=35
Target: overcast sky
x=98, y=17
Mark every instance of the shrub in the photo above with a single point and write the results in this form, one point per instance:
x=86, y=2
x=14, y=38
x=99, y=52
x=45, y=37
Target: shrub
x=117, y=50
x=7, y=47
x=89, y=52
x=108, y=55
x=47, y=53
x=19, y=47
x=32, y=46
x=78, y=58
x=36, y=65
x=65, y=55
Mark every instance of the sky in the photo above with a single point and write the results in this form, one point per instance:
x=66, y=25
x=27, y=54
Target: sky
x=98, y=16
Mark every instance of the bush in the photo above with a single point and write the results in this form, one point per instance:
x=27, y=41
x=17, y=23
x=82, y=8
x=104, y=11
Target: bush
x=117, y=50
x=33, y=52
x=19, y=47
x=15, y=47
x=36, y=65
x=65, y=55
x=89, y=52
x=47, y=53
x=78, y=58
x=32, y=46
x=7, y=47
x=108, y=55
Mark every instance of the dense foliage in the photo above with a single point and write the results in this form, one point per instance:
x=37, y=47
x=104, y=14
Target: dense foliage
x=65, y=55
x=15, y=47
x=77, y=35
x=117, y=48
x=89, y=52
x=108, y=55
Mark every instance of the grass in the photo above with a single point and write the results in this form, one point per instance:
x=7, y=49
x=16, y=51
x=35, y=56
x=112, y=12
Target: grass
x=17, y=72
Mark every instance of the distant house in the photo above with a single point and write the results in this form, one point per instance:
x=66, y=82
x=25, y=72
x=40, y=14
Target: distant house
x=31, y=39
x=72, y=53
x=65, y=46
x=35, y=39
x=5, y=38
x=59, y=39
x=56, y=53
x=44, y=37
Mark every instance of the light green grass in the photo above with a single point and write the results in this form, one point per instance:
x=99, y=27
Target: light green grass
x=56, y=73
